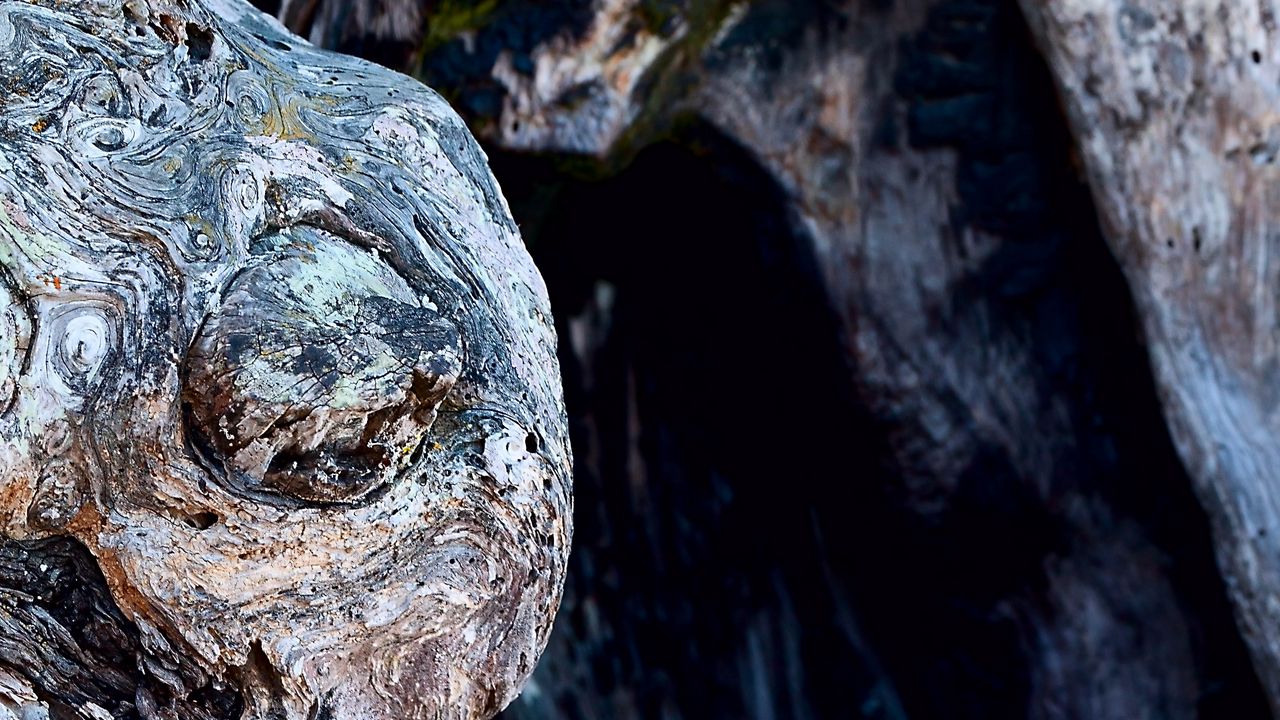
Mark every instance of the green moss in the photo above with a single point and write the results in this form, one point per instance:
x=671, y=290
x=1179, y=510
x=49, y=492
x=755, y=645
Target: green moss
x=672, y=80
x=666, y=90
x=451, y=18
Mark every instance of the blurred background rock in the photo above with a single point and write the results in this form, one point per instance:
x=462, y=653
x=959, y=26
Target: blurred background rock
x=862, y=421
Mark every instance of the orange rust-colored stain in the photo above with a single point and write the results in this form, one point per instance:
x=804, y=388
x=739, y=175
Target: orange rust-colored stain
x=40, y=125
x=53, y=280
x=57, y=283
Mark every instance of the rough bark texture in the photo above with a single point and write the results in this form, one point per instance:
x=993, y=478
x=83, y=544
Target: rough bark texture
x=281, y=426
x=1173, y=105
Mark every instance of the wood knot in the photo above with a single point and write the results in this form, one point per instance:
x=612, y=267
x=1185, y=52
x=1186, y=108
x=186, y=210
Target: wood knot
x=320, y=374
x=87, y=334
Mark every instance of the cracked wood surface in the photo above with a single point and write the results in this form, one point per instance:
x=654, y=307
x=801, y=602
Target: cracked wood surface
x=275, y=363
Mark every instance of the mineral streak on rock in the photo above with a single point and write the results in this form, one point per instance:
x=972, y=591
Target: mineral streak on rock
x=272, y=351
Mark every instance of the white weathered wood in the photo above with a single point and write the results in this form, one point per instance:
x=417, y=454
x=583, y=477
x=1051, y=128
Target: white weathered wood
x=271, y=348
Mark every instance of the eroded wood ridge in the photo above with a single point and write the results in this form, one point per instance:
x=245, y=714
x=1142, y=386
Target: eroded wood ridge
x=270, y=349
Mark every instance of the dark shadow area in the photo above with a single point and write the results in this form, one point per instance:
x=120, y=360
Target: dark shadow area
x=712, y=422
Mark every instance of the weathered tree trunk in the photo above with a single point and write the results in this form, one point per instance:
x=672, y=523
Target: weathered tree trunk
x=281, y=425
x=1173, y=105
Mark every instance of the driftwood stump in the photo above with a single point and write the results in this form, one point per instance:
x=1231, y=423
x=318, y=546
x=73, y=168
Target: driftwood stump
x=281, y=426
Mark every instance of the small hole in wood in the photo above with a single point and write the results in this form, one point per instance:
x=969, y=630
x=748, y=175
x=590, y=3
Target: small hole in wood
x=202, y=521
x=199, y=43
x=416, y=456
x=1257, y=57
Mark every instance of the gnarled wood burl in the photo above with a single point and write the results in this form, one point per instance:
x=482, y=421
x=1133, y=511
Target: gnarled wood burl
x=281, y=426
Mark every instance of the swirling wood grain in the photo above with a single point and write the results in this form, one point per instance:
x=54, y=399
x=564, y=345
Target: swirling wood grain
x=272, y=350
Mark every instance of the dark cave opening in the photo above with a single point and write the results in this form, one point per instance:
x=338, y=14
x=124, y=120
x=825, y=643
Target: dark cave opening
x=739, y=551
x=710, y=414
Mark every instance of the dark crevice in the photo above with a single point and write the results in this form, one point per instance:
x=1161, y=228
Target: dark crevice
x=718, y=348
x=64, y=635
x=199, y=42
x=973, y=81
x=202, y=520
